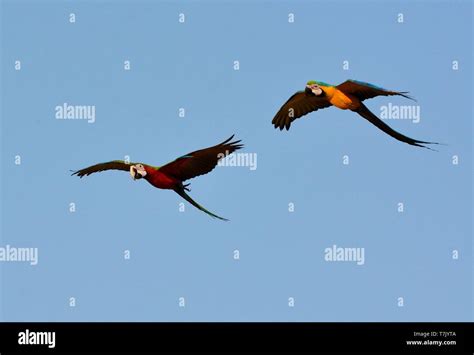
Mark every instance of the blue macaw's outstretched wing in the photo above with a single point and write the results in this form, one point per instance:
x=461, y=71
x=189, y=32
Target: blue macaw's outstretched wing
x=300, y=104
x=364, y=91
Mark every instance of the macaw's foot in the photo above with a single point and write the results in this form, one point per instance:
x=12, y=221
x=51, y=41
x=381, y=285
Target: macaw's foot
x=186, y=187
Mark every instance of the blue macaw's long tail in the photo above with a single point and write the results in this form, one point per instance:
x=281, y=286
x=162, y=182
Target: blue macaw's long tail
x=369, y=116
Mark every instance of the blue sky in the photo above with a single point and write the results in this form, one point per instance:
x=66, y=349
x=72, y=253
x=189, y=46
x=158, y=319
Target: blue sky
x=187, y=254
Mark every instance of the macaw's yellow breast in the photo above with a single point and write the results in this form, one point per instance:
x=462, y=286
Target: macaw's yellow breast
x=341, y=100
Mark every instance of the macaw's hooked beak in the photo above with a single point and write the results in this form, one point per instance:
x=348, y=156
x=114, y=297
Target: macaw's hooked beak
x=308, y=90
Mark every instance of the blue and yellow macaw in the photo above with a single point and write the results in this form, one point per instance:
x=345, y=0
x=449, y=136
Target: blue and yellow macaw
x=346, y=96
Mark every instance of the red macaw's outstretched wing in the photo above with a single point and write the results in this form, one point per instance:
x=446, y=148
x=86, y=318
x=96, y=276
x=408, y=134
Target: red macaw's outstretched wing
x=364, y=91
x=199, y=162
x=111, y=165
x=296, y=106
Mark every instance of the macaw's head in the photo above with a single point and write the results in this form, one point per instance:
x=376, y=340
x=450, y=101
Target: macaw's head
x=137, y=171
x=313, y=88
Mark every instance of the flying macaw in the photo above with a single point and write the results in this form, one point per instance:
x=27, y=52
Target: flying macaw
x=346, y=96
x=172, y=175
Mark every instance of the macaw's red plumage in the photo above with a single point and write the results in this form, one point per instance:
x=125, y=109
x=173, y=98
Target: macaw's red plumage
x=172, y=175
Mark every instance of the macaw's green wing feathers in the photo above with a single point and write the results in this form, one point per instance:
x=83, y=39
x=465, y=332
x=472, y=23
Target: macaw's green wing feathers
x=199, y=162
x=369, y=116
x=111, y=165
x=298, y=105
x=364, y=91
x=180, y=191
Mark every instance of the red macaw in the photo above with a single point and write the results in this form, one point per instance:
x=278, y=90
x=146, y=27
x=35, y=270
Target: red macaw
x=172, y=175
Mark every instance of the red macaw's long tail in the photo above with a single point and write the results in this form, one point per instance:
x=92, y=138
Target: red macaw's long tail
x=180, y=191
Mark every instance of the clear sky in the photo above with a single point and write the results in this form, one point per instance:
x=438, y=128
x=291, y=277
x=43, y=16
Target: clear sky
x=417, y=263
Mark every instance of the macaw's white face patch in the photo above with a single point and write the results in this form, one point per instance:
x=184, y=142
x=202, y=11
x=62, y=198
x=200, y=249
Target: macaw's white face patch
x=315, y=89
x=137, y=171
